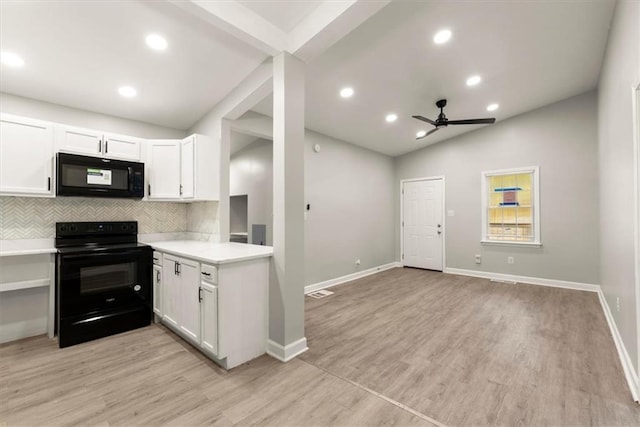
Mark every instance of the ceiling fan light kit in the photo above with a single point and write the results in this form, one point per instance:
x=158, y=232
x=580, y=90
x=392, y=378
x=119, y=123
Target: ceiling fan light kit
x=442, y=120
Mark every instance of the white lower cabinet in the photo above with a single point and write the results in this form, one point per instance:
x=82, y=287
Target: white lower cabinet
x=157, y=290
x=189, y=307
x=181, y=296
x=209, y=318
x=221, y=309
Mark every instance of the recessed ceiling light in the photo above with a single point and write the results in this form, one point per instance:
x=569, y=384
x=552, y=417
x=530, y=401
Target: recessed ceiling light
x=442, y=36
x=156, y=42
x=391, y=118
x=346, y=92
x=492, y=107
x=474, y=80
x=11, y=59
x=127, y=91
x=421, y=134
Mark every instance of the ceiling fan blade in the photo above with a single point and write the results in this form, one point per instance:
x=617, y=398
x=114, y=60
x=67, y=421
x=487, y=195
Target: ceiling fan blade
x=472, y=122
x=424, y=119
x=429, y=133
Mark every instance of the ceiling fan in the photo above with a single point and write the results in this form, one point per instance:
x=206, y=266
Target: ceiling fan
x=442, y=120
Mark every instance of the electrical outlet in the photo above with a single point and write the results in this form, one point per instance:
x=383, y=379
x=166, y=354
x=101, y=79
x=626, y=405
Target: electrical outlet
x=510, y=260
x=358, y=261
x=618, y=304
x=478, y=259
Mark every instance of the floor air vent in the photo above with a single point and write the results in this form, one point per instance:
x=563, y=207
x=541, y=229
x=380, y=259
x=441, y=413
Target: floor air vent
x=320, y=294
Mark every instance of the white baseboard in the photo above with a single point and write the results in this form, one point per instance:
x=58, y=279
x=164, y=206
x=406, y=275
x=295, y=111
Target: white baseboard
x=524, y=279
x=23, y=329
x=625, y=360
x=285, y=354
x=349, y=277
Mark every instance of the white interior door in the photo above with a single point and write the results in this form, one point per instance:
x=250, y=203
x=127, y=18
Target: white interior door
x=422, y=227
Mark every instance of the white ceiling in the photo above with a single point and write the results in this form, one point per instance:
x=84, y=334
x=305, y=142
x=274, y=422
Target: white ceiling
x=529, y=54
x=284, y=14
x=78, y=53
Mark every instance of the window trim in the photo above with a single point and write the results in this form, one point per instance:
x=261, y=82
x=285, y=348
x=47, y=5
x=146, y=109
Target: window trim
x=537, y=242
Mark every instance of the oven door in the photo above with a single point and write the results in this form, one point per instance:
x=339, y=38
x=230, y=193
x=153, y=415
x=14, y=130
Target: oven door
x=103, y=280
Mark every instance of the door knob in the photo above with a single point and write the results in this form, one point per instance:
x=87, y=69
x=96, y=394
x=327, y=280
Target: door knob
x=439, y=232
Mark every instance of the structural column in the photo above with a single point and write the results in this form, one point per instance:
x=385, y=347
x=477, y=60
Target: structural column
x=286, y=290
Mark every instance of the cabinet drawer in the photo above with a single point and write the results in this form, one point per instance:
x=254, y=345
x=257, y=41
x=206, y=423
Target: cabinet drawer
x=157, y=258
x=209, y=273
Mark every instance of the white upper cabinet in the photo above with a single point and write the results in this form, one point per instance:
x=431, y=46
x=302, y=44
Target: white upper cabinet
x=95, y=143
x=26, y=157
x=184, y=170
x=187, y=168
x=121, y=147
x=163, y=169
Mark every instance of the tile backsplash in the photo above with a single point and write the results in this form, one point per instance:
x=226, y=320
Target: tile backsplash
x=35, y=218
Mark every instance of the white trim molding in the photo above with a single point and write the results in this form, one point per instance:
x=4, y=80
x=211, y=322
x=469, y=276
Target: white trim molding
x=524, y=279
x=535, y=195
x=636, y=167
x=627, y=365
x=349, y=277
x=288, y=352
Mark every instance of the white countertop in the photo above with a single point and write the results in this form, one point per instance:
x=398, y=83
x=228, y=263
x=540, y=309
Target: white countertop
x=26, y=247
x=215, y=253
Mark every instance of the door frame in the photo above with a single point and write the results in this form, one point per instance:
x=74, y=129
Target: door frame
x=444, y=217
x=636, y=150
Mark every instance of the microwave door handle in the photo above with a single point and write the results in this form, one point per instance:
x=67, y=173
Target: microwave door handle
x=130, y=173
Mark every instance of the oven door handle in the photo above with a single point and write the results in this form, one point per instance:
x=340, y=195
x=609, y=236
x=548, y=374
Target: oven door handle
x=94, y=255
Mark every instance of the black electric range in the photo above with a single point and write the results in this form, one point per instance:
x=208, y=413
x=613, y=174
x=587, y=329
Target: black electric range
x=103, y=280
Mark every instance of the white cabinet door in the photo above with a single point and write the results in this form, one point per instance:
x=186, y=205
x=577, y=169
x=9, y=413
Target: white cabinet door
x=157, y=290
x=121, y=147
x=209, y=318
x=26, y=156
x=171, y=292
x=189, y=317
x=187, y=168
x=164, y=169
x=79, y=141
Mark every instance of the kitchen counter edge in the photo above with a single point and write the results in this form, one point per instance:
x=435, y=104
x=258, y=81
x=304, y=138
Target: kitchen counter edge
x=193, y=250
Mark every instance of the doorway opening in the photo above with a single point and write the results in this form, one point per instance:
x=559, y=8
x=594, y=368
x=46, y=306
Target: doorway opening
x=422, y=223
x=250, y=189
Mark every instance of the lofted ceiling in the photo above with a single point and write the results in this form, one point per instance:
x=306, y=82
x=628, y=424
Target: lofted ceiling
x=529, y=54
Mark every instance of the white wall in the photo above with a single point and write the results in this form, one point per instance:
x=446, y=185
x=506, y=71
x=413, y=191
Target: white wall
x=560, y=138
x=620, y=74
x=351, y=193
x=251, y=173
x=20, y=106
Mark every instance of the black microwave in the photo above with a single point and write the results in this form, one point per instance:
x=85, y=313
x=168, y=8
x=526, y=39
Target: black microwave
x=97, y=177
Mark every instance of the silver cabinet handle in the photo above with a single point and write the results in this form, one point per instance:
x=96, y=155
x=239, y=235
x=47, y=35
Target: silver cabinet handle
x=106, y=146
x=99, y=146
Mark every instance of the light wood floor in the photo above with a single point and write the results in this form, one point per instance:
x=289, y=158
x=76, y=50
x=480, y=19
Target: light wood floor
x=465, y=351
x=399, y=348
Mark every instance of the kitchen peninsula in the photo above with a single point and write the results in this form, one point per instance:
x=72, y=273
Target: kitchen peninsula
x=214, y=295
